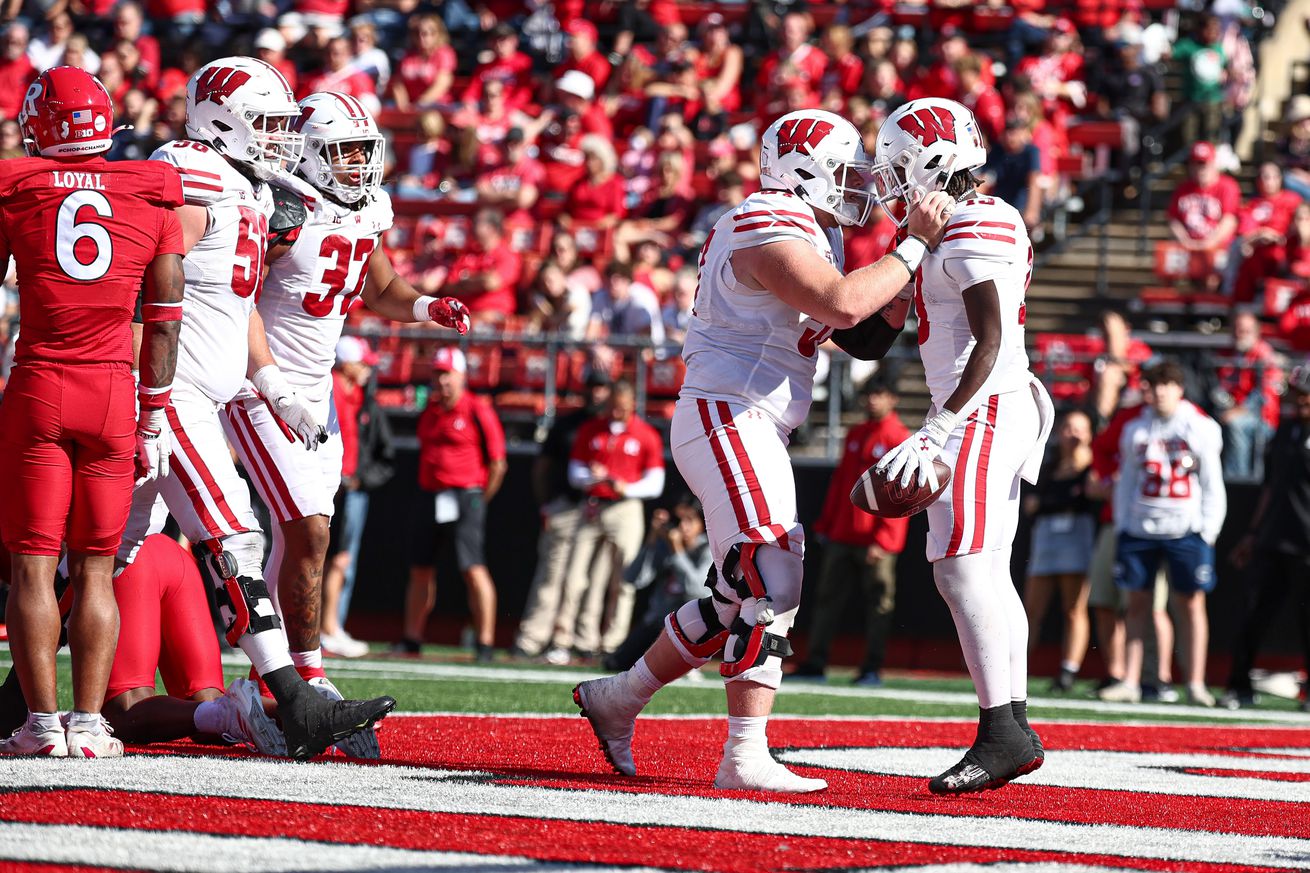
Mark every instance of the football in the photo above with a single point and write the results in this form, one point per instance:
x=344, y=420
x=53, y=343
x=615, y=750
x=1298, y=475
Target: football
x=875, y=494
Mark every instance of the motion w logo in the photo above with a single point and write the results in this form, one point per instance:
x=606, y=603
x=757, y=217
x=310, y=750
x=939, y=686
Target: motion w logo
x=808, y=132
x=929, y=125
x=217, y=84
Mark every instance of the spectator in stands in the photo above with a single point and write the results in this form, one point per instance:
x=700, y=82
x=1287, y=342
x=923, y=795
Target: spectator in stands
x=980, y=97
x=77, y=53
x=1274, y=553
x=675, y=563
x=664, y=210
x=11, y=146
x=340, y=74
x=649, y=269
x=271, y=48
x=1014, y=170
x=1058, y=74
x=16, y=70
x=370, y=58
x=427, y=160
x=882, y=87
x=617, y=462
x=515, y=183
x=427, y=70
x=1203, y=59
x=1203, y=210
x=583, y=54
x=598, y=200
x=557, y=306
x=367, y=464
x=1170, y=504
x=1246, y=397
x=859, y=550
x=564, y=253
x=1262, y=227
x=1129, y=88
x=795, y=62
x=491, y=120
x=128, y=21
x=718, y=65
x=1028, y=31
x=181, y=17
x=1293, y=149
x=575, y=91
x=1050, y=141
x=461, y=467
x=1298, y=243
x=625, y=307
x=845, y=70
x=676, y=314
x=561, y=514
x=486, y=274
x=47, y=50
x=508, y=66
x=1063, y=537
x=729, y=191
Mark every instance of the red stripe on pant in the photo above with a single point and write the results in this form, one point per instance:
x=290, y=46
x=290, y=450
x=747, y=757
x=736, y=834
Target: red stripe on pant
x=957, y=489
x=738, y=508
x=274, y=474
x=253, y=468
x=206, y=479
x=748, y=475
x=980, y=485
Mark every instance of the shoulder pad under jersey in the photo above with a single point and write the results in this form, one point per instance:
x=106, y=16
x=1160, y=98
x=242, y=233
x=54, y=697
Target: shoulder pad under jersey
x=289, y=215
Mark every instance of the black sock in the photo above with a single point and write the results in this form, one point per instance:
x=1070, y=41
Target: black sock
x=1020, y=710
x=285, y=683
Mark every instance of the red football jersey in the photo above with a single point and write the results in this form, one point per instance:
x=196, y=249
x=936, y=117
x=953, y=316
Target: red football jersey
x=82, y=234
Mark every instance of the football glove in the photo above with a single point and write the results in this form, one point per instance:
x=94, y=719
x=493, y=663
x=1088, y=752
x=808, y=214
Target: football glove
x=289, y=409
x=449, y=312
x=154, y=445
x=913, y=459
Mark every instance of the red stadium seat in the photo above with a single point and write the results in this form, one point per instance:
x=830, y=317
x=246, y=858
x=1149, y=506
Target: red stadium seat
x=395, y=361
x=664, y=378
x=1174, y=263
x=483, y=367
x=1279, y=293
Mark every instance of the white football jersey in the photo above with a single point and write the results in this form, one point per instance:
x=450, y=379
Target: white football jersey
x=1170, y=481
x=223, y=269
x=744, y=345
x=312, y=285
x=986, y=239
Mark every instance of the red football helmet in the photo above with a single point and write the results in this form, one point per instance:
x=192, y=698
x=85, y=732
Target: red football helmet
x=66, y=112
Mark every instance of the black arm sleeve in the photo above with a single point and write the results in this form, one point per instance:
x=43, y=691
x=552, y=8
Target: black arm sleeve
x=869, y=340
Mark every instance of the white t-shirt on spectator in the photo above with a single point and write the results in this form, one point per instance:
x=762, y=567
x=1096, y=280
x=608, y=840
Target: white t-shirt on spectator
x=638, y=315
x=43, y=56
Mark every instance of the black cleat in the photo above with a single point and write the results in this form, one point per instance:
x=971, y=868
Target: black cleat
x=1020, y=710
x=1001, y=751
x=312, y=723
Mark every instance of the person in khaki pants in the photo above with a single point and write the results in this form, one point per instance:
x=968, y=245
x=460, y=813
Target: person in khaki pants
x=561, y=511
x=617, y=461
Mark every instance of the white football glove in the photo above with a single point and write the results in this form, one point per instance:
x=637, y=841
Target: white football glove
x=154, y=445
x=913, y=458
x=290, y=410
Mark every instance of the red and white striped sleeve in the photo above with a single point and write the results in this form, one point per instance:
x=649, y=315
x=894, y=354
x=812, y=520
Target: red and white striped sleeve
x=773, y=217
x=200, y=169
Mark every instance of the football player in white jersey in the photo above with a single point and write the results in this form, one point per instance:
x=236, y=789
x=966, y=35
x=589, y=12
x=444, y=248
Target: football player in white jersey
x=239, y=121
x=333, y=258
x=989, y=423
x=771, y=290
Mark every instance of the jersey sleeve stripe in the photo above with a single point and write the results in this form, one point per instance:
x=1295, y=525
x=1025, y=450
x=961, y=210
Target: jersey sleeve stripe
x=187, y=171
x=1004, y=225
x=189, y=186
x=759, y=213
x=777, y=222
x=996, y=237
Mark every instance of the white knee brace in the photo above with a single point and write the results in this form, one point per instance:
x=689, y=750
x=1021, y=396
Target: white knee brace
x=767, y=581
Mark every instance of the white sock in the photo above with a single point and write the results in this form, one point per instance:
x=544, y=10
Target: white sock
x=82, y=720
x=748, y=730
x=1070, y=666
x=208, y=717
x=44, y=721
x=981, y=622
x=312, y=658
x=1016, y=620
x=266, y=650
x=642, y=682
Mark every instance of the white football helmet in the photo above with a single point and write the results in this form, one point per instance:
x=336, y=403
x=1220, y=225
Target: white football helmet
x=331, y=123
x=920, y=146
x=819, y=156
x=243, y=107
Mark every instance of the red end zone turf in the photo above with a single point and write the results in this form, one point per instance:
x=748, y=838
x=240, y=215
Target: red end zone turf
x=1203, y=799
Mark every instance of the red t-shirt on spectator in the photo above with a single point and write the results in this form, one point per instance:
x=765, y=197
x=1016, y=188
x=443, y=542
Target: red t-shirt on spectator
x=989, y=108
x=594, y=65
x=514, y=72
x=845, y=75
x=349, y=400
x=588, y=203
x=148, y=48
x=705, y=70
x=840, y=521
x=15, y=76
x=806, y=65
x=356, y=83
x=417, y=73
x=1294, y=323
x=867, y=244
x=1201, y=209
x=170, y=9
x=455, y=446
x=1238, y=376
x=627, y=454
x=504, y=262
x=1266, y=259
x=334, y=8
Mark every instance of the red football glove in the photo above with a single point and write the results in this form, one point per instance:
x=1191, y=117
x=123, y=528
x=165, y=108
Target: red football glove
x=450, y=312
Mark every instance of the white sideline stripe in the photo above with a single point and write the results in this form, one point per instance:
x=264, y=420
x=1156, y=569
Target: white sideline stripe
x=181, y=852
x=393, y=787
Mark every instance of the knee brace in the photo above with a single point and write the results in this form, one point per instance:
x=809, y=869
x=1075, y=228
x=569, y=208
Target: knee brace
x=698, y=630
x=767, y=579
x=243, y=600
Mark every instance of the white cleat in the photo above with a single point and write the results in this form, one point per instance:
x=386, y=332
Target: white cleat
x=29, y=743
x=752, y=768
x=1121, y=692
x=1199, y=695
x=612, y=711
x=245, y=721
x=361, y=745
x=343, y=645
x=93, y=742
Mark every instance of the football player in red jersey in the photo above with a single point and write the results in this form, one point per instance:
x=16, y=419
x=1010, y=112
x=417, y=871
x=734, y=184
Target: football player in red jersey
x=84, y=234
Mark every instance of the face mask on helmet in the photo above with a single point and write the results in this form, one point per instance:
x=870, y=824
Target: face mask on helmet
x=349, y=169
x=894, y=191
x=852, y=191
x=273, y=147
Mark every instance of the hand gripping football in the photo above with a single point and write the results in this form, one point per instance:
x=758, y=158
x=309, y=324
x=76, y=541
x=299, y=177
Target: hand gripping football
x=876, y=494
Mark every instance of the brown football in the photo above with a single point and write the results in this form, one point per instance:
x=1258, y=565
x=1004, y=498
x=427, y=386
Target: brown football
x=875, y=494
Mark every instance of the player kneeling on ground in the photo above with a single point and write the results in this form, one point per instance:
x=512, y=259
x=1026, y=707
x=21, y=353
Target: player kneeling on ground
x=771, y=291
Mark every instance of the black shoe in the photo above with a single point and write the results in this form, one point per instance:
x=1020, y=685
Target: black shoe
x=1001, y=751
x=808, y=672
x=1063, y=683
x=484, y=654
x=1107, y=682
x=1020, y=710
x=313, y=723
x=406, y=647
x=1238, y=698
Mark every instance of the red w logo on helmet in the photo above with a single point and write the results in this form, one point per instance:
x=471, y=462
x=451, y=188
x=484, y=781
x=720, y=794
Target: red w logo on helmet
x=929, y=125
x=218, y=83
x=802, y=131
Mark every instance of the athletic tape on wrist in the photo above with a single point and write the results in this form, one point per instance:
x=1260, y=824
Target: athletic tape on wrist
x=153, y=313
x=422, y=307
